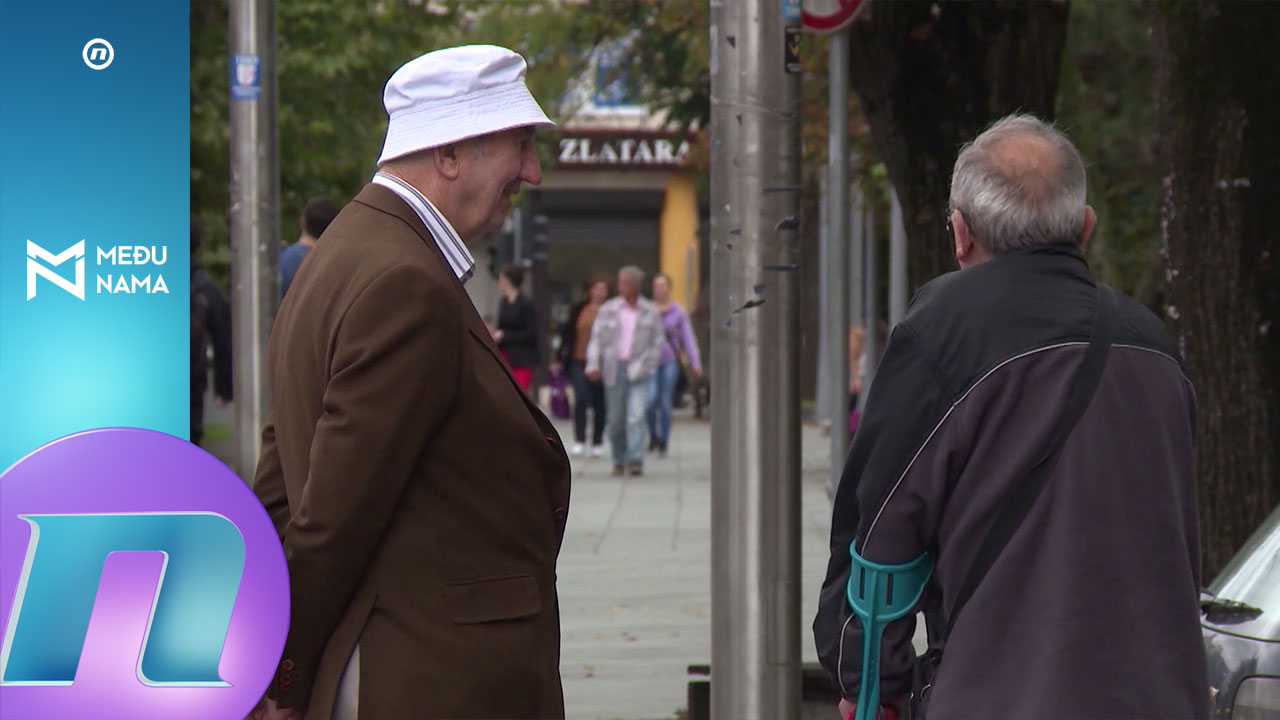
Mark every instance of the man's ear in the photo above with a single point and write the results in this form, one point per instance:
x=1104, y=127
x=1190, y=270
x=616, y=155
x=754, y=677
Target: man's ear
x=962, y=238
x=448, y=160
x=1090, y=221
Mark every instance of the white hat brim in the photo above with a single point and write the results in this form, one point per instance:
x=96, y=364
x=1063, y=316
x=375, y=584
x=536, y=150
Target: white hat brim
x=478, y=113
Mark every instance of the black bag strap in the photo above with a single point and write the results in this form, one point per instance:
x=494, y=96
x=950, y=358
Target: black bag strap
x=1024, y=494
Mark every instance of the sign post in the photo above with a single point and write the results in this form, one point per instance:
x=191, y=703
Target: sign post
x=832, y=17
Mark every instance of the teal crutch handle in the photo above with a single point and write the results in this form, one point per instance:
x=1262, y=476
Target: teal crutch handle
x=879, y=594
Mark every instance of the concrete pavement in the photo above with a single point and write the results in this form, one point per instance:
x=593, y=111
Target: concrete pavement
x=634, y=574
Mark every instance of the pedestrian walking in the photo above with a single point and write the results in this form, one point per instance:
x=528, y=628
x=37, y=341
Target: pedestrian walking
x=588, y=395
x=420, y=496
x=210, y=329
x=677, y=338
x=1029, y=432
x=316, y=216
x=626, y=340
x=517, y=331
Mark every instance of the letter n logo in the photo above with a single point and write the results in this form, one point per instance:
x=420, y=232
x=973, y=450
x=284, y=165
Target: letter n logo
x=203, y=560
x=36, y=254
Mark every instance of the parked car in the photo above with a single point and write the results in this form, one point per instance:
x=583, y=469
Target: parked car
x=1241, y=622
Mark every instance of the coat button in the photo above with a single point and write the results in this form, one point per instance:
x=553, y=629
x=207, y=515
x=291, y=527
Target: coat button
x=287, y=664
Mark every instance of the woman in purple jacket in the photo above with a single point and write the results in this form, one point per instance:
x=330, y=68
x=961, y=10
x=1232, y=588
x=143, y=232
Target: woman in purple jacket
x=679, y=337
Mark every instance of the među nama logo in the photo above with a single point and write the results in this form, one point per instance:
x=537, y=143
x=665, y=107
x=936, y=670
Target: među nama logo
x=131, y=282
x=143, y=275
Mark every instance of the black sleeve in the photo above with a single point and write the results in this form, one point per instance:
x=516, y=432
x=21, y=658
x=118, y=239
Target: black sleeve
x=568, y=335
x=905, y=403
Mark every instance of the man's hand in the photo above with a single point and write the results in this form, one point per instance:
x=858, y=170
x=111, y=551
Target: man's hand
x=697, y=372
x=497, y=336
x=846, y=709
x=593, y=375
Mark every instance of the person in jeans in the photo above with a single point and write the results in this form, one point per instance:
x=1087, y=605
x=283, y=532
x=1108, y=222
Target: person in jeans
x=677, y=338
x=587, y=394
x=626, y=340
x=517, y=332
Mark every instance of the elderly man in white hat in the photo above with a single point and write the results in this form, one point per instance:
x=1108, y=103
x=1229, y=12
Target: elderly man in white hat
x=420, y=497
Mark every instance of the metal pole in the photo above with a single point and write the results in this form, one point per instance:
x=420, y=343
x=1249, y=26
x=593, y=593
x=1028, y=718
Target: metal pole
x=254, y=222
x=726, y=390
x=897, y=261
x=756, y=561
x=822, y=396
x=837, y=328
x=538, y=288
x=871, y=303
x=857, y=243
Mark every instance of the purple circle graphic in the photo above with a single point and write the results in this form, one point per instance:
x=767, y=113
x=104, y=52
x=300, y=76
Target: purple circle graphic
x=123, y=474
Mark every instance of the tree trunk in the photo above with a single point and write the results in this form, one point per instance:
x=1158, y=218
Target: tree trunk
x=1218, y=80
x=931, y=76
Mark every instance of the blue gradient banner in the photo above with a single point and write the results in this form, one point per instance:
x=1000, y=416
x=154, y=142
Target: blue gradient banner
x=94, y=229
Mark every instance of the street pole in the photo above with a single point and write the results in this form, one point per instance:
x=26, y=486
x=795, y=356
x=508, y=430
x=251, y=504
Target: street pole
x=756, y=425
x=822, y=395
x=837, y=328
x=541, y=301
x=870, y=302
x=857, y=241
x=254, y=217
x=726, y=388
x=897, y=262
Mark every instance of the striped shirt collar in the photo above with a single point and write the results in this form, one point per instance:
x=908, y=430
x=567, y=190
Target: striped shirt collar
x=455, y=252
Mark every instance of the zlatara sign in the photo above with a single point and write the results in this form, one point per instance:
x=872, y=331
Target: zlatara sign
x=622, y=151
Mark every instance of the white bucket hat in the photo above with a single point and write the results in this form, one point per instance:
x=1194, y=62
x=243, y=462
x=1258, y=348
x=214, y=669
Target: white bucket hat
x=456, y=93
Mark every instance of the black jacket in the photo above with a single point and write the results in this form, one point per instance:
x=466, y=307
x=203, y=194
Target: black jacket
x=1091, y=611
x=210, y=325
x=519, y=325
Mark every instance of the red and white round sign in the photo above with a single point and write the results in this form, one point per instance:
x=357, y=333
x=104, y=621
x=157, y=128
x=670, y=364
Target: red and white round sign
x=825, y=16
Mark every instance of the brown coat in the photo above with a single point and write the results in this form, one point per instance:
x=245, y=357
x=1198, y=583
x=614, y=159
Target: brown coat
x=420, y=497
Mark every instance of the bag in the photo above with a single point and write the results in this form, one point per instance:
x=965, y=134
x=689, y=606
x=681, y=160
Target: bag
x=559, y=398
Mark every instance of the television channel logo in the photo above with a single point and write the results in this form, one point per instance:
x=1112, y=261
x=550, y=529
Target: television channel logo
x=139, y=578
x=40, y=263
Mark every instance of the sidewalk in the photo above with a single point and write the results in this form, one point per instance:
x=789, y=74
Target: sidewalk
x=634, y=574
x=634, y=571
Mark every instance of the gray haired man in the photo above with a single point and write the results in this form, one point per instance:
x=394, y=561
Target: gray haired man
x=626, y=340
x=1088, y=604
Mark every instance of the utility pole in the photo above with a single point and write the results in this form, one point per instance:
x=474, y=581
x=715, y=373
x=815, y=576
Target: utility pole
x=755, y=591
x=537, y=263
x=254, y=216
x=870, y=302
x=837, y=326
x=897, y=262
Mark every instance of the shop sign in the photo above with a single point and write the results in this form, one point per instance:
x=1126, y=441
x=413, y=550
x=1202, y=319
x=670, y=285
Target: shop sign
x=622, y=151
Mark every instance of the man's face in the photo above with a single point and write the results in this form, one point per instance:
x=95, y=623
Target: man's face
x=497, y=165
x=626, y=286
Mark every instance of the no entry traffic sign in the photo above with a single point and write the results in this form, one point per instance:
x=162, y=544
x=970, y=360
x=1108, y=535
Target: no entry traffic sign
x=825, y=16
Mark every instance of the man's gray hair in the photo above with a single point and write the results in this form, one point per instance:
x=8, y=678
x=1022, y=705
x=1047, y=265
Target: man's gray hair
x=1011, y=200
x=635, y=273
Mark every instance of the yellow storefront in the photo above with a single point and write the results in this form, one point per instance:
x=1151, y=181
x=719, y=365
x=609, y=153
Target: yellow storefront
x=615, y=198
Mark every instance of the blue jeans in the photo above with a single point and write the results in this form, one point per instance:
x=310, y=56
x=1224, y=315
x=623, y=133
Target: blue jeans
x=586, y=394
x=662, y=388
x=625, y=403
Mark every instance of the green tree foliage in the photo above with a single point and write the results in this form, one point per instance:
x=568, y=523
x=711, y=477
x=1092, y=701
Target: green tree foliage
x=333, y=57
